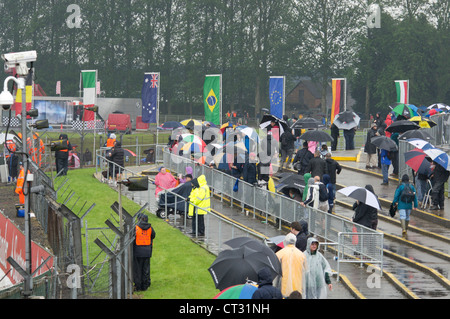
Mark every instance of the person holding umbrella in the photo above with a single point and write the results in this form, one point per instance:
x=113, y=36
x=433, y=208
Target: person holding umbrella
x=439, y=177
x=371, y=148
x=385, y=163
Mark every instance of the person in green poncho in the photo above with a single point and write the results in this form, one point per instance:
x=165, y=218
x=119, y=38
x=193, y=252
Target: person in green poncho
x=318, y=271
x=306, y=177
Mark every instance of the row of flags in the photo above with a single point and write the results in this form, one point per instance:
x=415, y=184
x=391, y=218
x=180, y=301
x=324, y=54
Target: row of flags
x=212, y=95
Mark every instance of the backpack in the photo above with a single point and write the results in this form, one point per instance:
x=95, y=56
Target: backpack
x=407, y=195
x=323, y=192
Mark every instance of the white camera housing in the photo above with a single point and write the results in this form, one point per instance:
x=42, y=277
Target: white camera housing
x=6, y=98
x=19, y=57
x=19, y=61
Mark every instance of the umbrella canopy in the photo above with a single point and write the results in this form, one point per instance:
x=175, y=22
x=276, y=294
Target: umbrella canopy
x=244, y=291
x=128, y=152
x=438, y=156
x=247, y=131
x=347, y=120
x=439, y=106
x=307, y=123
x=421, y=134
x=361, y=194
x=171, y=125
x=423, y=122
x=419, y=143
x=211, y=124
x=277, y=240
x=195, y=122
x=236, y=266
x=384, y=143
x=417, y=160
x=291, y=180
x=402, y=126
x=403, y=111
x=317, y=136
x=268, y=118
x=192, y=143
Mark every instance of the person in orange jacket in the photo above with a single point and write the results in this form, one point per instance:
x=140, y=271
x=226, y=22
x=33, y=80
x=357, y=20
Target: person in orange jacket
x=20, y=184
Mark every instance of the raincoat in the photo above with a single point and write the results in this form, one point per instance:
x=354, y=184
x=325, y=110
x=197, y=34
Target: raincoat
x=200, y=196
x=306, y=177
x=293, y=265
x=164, y=181
x=317, y=273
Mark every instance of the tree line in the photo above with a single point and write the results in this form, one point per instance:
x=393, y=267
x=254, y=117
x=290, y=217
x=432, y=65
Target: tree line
x=246, y=41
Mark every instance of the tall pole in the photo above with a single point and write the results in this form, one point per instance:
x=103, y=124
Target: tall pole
x=28, y=279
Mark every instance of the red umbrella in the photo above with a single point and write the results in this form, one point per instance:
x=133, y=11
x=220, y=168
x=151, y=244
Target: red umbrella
x=417, y=160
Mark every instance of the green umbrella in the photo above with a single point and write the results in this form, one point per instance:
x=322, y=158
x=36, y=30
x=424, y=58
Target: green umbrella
x=403, y=111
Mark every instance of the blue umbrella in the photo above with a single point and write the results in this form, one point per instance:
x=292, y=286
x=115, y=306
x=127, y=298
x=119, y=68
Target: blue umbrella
x=438, y=156
x=170, y=125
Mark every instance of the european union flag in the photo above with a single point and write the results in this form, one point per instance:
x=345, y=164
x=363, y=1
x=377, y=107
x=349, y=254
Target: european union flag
x=276, y=95
x=150, y=98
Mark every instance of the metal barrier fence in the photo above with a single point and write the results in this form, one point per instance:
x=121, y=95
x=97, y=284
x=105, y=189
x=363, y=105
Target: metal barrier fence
x=284, y=209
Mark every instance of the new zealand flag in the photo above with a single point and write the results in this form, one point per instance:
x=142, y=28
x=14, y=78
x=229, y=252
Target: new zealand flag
x=150, y=98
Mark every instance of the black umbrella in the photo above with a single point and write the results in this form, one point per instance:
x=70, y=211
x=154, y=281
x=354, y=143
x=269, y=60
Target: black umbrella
x=268, y=118
x=424, y=135
x=384, y=143
x=236, y=266
x=258, y=246
x=402, y=126
x=307, y=123
x=291, y=180
x=317, y=136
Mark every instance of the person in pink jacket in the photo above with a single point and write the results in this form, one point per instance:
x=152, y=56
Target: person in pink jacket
x=164, y=180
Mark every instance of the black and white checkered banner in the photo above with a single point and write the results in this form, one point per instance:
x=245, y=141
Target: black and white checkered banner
x=15, y=122
x=88, y=125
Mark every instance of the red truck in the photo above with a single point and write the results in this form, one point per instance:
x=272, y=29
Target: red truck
x=118, y=122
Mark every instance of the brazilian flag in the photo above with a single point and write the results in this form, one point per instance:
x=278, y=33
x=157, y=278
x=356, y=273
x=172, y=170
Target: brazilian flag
x=211, y=97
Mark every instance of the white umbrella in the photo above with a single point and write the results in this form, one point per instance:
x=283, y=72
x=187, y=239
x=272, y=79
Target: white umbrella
x=361, y=194
x=419, y=143
x=439, y=157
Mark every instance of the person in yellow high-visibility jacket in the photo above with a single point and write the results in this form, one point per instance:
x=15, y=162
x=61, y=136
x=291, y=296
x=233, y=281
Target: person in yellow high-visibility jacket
x=201, y=197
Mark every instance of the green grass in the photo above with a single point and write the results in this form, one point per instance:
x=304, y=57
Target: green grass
x=179, y=267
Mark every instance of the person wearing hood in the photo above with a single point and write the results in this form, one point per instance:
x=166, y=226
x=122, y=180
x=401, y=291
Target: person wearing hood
x=142, y=252
x=62, y=155
x=200, y=197
x=371, y=149
x=364, y=214
x=317, y=273
x=293, y=264
x=306, y=178
x=265, y=288
x=164, y=180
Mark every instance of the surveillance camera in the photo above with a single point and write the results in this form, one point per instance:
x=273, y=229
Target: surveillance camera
x=6, y=100
x=19, y=57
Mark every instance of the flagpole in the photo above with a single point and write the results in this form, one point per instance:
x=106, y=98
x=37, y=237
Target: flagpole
x=284, y=95
x=345, y=94
x=221, y=100
x=407, y=94
x=157, y=109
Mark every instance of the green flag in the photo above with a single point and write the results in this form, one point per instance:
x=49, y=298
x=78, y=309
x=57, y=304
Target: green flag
x=212, y=98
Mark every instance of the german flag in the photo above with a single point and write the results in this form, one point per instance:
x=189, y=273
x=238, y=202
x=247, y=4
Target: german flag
x=338, y=88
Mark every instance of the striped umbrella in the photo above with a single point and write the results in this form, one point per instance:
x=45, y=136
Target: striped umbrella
x=192, y=143
x=244, y=291
x=419, y=143
x=440, y=157
x=417, y=160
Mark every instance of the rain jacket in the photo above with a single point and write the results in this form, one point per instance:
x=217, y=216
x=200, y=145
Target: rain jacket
x=164, y=181
x=200, y=196
x=306, y=177
x=317, y=273
x=144, y=251
x=265, y=288
x=293, y=265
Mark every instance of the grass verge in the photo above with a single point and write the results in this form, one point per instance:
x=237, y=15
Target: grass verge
x=179, y=267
